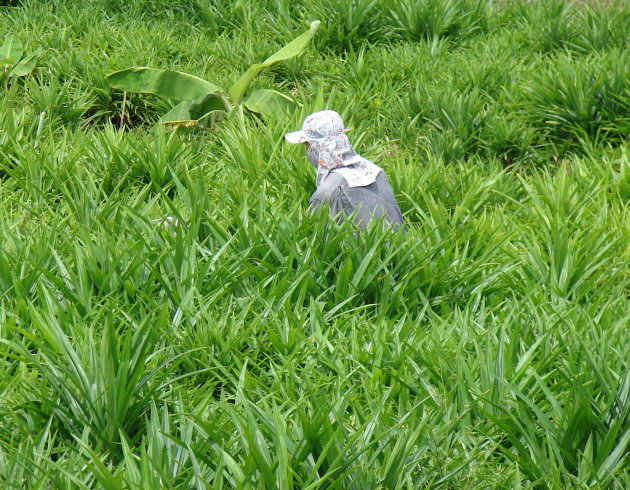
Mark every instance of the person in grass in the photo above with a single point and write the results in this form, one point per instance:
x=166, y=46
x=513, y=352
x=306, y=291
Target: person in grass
x=346, y=182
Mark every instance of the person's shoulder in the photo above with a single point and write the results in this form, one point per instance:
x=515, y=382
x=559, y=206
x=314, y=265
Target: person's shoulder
x=333, y=182
x=382, y=176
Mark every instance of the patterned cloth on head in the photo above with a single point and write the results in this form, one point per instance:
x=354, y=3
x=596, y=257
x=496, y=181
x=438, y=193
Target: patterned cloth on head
x=329, y=150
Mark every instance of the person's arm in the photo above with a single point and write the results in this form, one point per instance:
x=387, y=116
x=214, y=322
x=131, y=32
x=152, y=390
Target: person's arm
x=331, y=193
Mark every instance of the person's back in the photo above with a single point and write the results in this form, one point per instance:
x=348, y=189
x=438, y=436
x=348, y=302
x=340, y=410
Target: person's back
x=373, y=201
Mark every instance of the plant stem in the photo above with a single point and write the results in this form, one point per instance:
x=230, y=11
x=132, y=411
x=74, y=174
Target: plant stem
x=124, y=106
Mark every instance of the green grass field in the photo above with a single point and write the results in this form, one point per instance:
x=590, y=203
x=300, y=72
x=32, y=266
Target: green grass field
x=256, y=346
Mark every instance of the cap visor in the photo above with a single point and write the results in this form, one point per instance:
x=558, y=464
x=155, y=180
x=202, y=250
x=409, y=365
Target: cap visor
x=295, y=137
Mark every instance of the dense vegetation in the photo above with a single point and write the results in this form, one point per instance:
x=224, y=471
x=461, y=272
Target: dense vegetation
x=253, y=345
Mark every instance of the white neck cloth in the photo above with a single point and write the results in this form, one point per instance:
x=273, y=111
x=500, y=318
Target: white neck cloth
x=335, y=154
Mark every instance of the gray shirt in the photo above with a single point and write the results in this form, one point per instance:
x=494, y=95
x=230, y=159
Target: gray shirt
x=371, y=201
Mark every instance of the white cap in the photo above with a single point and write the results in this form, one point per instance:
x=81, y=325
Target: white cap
x=317, y=126
x=295, y=137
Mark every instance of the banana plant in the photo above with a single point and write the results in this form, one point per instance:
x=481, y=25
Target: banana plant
x=13, y=63
x=203, y=103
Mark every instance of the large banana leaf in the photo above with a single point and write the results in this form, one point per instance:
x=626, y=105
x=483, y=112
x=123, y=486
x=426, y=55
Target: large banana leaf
x=292, y=49
x=269, y=103
x=26, y=66
x=165, y=83
x=204, y=111
x=11, y=50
